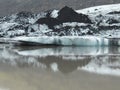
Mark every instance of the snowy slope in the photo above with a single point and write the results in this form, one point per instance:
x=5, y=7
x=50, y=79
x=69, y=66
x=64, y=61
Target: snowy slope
x=103, y=9
x=99, y=21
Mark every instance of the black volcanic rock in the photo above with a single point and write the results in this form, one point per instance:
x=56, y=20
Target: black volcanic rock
x=112, y=21
x=66, y=14
x=48, y=21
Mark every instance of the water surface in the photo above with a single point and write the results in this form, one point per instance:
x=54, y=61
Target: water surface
x=59, y=68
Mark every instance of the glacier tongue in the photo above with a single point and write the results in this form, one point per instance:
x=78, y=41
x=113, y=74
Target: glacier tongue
x=66, y=40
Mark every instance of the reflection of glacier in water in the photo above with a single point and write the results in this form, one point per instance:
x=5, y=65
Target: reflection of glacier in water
x=65, y=51
x=65, y=59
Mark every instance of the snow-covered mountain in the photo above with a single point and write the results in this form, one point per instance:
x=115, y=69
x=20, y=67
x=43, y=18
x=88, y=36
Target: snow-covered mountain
x=101, y=22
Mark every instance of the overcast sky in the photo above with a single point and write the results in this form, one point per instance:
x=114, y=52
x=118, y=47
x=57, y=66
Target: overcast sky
x=12, y=6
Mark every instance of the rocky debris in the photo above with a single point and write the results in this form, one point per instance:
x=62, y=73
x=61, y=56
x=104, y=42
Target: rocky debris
x=107, y=21
x=113, y=27
x=112, y=21
x=51, y=22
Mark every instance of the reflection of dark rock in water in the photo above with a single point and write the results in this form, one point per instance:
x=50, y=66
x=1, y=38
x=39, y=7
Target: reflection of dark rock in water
x=65, y=66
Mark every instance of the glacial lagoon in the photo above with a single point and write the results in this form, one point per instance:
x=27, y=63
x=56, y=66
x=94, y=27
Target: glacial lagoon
x=59, y=68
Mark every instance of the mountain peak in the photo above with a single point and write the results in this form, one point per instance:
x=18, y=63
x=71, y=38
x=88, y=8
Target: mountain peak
x=66, y=11
x=66, y=8
x=67, y=14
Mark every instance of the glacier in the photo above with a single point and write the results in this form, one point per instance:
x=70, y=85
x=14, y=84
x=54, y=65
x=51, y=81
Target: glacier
x=93, y=26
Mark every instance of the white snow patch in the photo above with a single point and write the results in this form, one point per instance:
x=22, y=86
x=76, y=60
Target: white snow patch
x=41, y=29
x=73, y=58
x=73, y=24
x=6, y=25
x=54, y=13
x=14, y=33
x=44, y=28
x=32, y=20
